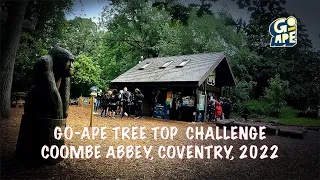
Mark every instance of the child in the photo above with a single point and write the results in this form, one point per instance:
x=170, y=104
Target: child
x=218, y=111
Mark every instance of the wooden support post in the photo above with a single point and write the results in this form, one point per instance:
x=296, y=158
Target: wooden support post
x=205, y=103
x=80, y=103
x=92, y=107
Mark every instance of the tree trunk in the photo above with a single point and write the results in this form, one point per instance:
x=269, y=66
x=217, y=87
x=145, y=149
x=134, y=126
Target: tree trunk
x=9, y=49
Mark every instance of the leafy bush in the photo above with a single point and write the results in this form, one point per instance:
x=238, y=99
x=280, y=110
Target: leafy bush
x=258, y=108
x=276, y=92
x=288, y=112
x=86, y=74
x=262, y=108
x=243, y=91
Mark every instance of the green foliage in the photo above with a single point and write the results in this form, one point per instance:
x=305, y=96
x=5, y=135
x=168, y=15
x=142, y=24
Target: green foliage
x=245, y=65
x=86, y=74
x=261, y=108
x=30, y=50
x=180, y=13
x=215, y=33
x=287, y=112
x=243, y=91
x=48, y=18
x=86, y=71
x=206, y=34
x=133, y=31
x=258, y=108
x=80, y=36
x=134, y=24
x=276, y=92
x=301, y=59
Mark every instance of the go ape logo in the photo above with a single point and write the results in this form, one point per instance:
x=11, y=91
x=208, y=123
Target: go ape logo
x=283, y=32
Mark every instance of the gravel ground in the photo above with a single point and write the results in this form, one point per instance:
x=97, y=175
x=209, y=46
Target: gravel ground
x=297, y=158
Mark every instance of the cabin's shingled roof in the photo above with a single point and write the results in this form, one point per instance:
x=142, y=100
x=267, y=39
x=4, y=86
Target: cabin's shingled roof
x=196, y=70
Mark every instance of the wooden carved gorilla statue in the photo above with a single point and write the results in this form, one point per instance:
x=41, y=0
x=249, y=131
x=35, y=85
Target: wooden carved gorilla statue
x=46, y=106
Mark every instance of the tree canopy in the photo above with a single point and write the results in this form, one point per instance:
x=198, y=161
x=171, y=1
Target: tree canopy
x=129, y=30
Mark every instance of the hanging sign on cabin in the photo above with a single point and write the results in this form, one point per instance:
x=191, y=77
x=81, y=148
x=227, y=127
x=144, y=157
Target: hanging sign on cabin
x=201, y=101
x=211, y=80
x=168, y=100
x=188, y=101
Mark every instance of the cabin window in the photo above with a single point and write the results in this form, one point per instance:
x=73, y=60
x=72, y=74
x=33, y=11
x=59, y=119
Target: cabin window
x=183, y=63
x=144, y=66
x=166, y=64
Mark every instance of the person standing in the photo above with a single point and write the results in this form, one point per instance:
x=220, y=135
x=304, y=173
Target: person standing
x=226, y=109
x=210, y=110
x=218, y=111
x=105, y=103
x=130, y=104
x=97, y=101
x=221, y=101
x=126, y=100
x=152, y=102
x=120, y=109
x=113, y=104
x=138, y=103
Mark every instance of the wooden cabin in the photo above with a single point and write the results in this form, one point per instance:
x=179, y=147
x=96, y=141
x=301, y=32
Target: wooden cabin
x=179, y=85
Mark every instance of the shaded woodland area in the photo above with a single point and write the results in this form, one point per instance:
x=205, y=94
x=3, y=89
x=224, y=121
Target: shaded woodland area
x=270, y=81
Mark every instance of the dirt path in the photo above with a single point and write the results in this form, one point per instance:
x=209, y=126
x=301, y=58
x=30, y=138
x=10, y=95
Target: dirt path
x=298, y=158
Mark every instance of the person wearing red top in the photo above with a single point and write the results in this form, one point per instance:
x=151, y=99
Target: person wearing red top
x=218, y=110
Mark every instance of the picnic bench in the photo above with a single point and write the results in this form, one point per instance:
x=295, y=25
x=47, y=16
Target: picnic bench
x=17, y=99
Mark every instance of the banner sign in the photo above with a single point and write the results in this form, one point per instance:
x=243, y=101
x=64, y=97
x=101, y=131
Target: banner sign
x=201, y=101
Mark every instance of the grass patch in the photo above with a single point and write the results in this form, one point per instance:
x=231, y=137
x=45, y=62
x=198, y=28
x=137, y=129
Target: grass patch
x=288, y=113
x=296, y=121
x=261, y=109
x=258, y=108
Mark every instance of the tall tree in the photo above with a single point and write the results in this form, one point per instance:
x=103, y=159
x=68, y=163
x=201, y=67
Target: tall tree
x=45, y=16
x=299, y=60
x=133, y=31
x=16, y=13
x=136, y=24
x=80, y=36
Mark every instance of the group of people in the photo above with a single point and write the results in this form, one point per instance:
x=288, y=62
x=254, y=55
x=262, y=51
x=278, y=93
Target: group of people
x=123, y=102
x=119, y=103
x=218, y=109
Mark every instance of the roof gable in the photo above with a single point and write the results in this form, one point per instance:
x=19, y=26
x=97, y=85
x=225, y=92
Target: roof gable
x=195, y=70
